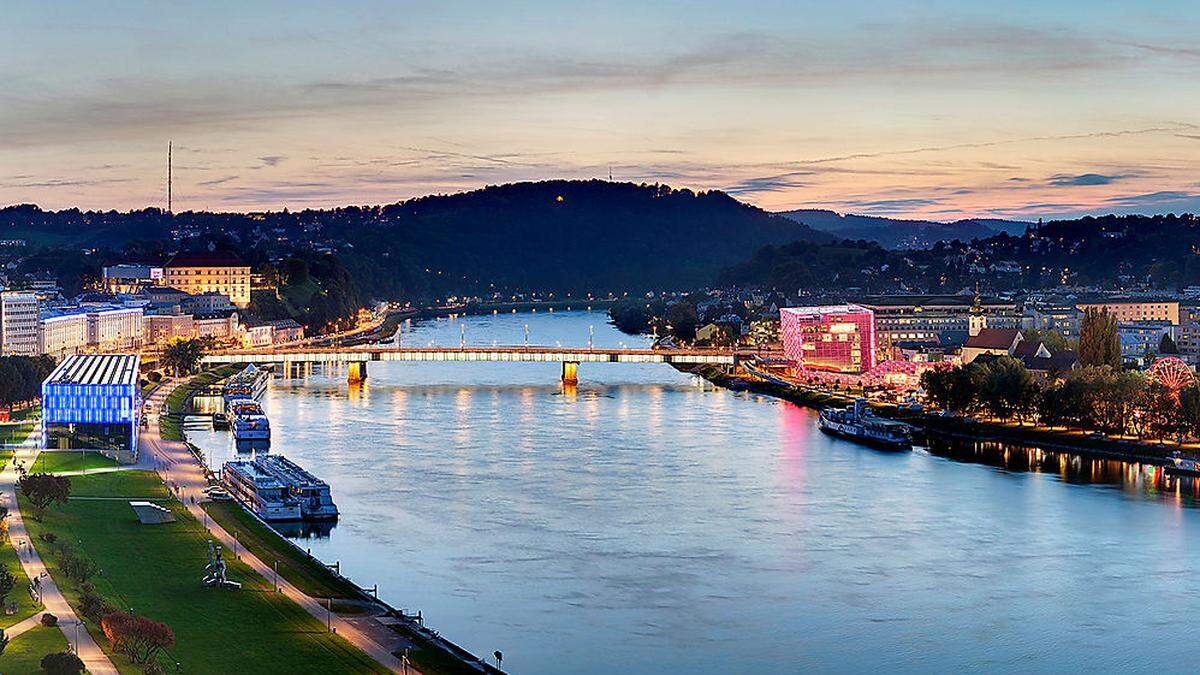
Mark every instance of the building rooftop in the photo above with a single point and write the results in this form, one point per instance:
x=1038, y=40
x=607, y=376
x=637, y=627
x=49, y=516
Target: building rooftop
x=826, y=309
x=96, y=369
x=206, y=259
x=993, y=338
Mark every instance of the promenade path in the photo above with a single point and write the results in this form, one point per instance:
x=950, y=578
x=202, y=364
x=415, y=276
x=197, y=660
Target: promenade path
x=93, y=657
x=181, y=471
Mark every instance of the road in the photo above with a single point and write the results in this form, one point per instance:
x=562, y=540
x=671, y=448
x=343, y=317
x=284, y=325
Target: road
x=94, y=658
x=181, y=470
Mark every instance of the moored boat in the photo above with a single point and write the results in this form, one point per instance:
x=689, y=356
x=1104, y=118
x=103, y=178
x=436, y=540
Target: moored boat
x=858, y=423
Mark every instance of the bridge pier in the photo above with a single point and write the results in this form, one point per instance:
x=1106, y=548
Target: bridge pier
x=570, y=372
x=357, y=371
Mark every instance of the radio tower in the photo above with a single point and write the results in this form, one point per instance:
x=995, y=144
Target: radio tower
x=168, y=177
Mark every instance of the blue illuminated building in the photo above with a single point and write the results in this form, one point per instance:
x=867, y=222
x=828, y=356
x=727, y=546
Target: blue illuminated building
x=93, y=401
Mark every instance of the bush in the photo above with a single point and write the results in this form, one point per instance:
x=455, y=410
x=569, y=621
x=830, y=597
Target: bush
x=48, y=537
x=62, y=663
x=78, y=569
x=94, y=608
x=49, y=620
x=87, y=587
x=137, y=637
x=154, y=376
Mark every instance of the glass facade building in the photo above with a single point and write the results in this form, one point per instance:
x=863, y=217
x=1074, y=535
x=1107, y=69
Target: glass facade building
x=838, y=338
x=93, y=402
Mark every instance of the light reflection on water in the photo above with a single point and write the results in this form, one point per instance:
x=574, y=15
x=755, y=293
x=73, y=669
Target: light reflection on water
x=645, y=523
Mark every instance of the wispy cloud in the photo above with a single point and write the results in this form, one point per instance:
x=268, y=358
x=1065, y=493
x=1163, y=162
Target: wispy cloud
x=1085, y=179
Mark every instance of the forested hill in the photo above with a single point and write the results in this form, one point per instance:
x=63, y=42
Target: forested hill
x=568, y=235
x=551, y=236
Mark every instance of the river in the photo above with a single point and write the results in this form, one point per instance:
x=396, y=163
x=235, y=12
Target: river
x=647, y=522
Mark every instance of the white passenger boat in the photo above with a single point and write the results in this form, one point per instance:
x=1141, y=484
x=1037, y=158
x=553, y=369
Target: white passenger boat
x=260, y=491
x=858, y=423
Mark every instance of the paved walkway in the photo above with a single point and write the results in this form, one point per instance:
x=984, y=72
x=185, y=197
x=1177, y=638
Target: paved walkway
x=179, y=468
x=94, y=658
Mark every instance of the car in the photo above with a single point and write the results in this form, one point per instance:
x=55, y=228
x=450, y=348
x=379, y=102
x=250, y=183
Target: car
x=219, y=495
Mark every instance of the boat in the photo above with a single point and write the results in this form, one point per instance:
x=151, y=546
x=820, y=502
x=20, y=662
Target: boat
x=248, y=421
x=260, y=491
x=1182, y=466
x=858, y=423
x=250, y=383
x=312, y=492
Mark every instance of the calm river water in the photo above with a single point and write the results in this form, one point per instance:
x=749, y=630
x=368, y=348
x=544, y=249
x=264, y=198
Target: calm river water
x=648, y=523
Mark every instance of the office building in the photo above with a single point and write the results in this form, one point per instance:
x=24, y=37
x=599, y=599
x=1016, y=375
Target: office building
x=93, y=402
x=197, y=273
x=838, y=338
x=18, y=324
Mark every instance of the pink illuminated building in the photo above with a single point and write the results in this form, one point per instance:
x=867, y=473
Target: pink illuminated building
x=838, y=338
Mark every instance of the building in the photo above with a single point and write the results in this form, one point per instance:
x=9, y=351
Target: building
x=286, y=330
x=1061, y=318
x=257, y=333
x=19, y=324
x=115, y=328
x=206, y=303
x=220, y=326
x=993, y=341
x=1141, y=337
x=1187, y=336
x=224, y=273
x=839, y=338
x=93, y=402
x=131, y=278
x=163, y=328
x=938, y=319
x=63, y=333
x=1137, y=309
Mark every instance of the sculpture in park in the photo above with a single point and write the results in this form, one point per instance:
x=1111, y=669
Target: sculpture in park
x=214, y=572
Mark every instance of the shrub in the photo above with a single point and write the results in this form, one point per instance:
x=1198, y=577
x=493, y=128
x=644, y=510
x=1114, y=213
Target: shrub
x=94, y=608
x=49, y=620
x=136, y=636
x=87, y=587
x=48, y=537
x=78, y=569
x=62, y=663
x=154, y=376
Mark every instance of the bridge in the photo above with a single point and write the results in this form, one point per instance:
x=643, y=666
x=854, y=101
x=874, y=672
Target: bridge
x=356, y=358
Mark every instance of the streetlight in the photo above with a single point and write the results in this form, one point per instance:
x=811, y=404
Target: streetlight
x=78, y=623
x=526, y=335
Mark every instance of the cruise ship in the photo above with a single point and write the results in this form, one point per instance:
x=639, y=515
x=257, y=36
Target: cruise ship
x=249, y=383
x=248, y=421
x=312, y=492
x=858, y=423
x=261, y=491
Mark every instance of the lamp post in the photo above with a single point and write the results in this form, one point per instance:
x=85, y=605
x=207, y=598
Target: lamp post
x=591, y=331
x=526, y=336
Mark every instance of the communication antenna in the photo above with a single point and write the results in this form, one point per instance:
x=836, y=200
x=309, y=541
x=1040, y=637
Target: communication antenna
x=169, y=177
x=610, y=173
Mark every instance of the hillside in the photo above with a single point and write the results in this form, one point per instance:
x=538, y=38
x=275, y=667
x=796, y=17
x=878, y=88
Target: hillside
x=902, y=234
x=560, y=236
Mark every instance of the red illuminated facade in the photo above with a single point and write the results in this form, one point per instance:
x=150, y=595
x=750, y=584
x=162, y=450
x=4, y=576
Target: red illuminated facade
x=839, y=338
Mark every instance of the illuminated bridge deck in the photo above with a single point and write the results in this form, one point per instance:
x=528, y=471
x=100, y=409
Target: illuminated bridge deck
x=466, y=354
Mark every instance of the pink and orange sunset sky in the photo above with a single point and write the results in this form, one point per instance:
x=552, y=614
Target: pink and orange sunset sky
x=937, y=110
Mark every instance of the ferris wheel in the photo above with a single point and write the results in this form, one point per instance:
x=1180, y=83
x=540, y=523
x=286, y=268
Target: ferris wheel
x=1173, y=373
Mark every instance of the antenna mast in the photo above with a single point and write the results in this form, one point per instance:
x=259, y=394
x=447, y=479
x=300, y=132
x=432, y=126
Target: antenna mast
x=168, y=177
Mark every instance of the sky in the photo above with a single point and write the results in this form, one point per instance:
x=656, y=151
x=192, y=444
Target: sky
x=935, y=109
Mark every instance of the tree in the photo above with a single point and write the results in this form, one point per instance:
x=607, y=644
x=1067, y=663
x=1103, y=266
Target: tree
x=1158, y=412
x=62, y=663
x=44, y=489
x=682, y=319
x=1008, y=388
x=3, y=641
x=1189, y=411
x=182, y=356
x=7, y=582
x=136, y=636
x=1166, y=345
x=1099, y=344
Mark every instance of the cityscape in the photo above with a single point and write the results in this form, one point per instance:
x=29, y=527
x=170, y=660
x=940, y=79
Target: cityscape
x=541, y=339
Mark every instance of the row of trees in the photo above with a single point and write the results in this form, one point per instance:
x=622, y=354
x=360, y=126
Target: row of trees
x=21, y=378
x=1096, y=398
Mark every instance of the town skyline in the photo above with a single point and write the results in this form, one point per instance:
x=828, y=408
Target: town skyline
x=942, y=111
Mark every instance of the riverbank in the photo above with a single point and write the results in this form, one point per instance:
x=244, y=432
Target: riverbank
x=409, y=638
x=1129, y=450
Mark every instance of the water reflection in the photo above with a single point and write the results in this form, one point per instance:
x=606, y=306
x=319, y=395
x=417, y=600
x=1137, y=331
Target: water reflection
x=1149, y=480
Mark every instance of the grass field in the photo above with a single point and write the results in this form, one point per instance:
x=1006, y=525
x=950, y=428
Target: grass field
x=55, y=461
x=177, y=400
x=24, y=654
x=20, y=592
x=156, y=570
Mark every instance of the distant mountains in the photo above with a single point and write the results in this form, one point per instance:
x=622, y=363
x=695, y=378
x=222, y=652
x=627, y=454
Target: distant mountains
x=894, y=233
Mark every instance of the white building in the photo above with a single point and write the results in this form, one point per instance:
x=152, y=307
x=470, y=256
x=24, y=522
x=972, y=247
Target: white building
x=114, y=329
x=18, y=324
x=63, y=334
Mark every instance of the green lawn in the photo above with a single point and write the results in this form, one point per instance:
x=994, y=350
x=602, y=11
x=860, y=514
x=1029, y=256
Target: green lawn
x=177, y=400
x=20, y=592
x=307, y=574
x=156, y=571
x=57, y=461
x=24, y=653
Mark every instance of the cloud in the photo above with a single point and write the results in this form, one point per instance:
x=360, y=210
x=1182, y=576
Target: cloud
x=271, y=160
x=217, y=181
x=1062, y=180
